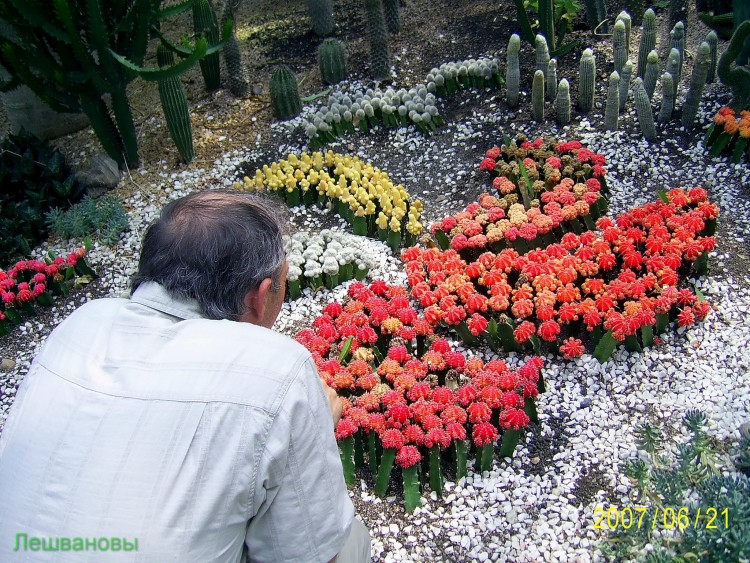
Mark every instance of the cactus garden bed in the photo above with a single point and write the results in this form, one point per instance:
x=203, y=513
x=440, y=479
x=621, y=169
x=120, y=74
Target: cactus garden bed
x=502, y=302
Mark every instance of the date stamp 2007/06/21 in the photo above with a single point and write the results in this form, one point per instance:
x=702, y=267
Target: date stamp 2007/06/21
x=667, y=518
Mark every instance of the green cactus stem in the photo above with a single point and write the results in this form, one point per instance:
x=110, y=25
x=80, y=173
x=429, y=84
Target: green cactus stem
x=436, y=473
x=175, y=106
x=485, y=455
x=636, y=10
x=460, y=453
x=205, y=23
x=411, y=488
x=651, y=75
x=285, y=98
x=667, y=98
x=332, y=61
x=513, y=72
x=643, y=109
x=551, y=80
x=737, y=78
x=601, y=10
x=384, y=471
x=697, y=82
x=612, y=109
x=562, y=103
x=346, y=449
x=624, y=17
x=587, y=73
x=678, y=12
x=542, y=53
x=380, y=57
x=673, y=68
x=648, y=41
x=392, y=13
x=713, y=43
x=537, y=96
x=321, y=16
x=619, y=47
x=677, y=41
x=592, y=15
x=627, y=74
x=237, y=79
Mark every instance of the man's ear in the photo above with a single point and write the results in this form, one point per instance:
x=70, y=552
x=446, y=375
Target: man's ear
x=255, y=303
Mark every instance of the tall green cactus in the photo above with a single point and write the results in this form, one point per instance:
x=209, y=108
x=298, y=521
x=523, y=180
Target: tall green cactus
x=625, y=18
x=636, y=10
x=612, y=109
x=392, y=13
x=648, y=40
x=205, y=23
x=596, y=12
x=697, y=82
x=239, y=83
x=667, y=98
x=537, y=96
x=737, y=78
x=678, y=11
x=677, y=41
x=321, y=16
x=601, y=10
x=673, y=68
x=643, y=109
x=627, y=74
x=175, y=106
x=551, y=79
x=562, y=103
x=651, y=75
x=587, y=76
x=285, y=98
x=713, y=43
x=380, y=56
x=332, y=61
x=512, y=71
x=619, y=46
x=542, y=52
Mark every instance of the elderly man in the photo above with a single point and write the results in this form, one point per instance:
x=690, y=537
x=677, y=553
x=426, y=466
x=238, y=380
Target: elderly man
x=176, y=426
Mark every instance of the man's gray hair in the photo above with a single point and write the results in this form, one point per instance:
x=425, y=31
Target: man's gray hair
x=215, y=246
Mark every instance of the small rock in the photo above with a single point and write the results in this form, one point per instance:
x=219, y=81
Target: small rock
x=257, y=89
x=103, y=174
x=7, y=364
x=535, y=460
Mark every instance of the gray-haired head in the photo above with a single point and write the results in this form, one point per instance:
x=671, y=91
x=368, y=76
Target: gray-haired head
x=215, y=247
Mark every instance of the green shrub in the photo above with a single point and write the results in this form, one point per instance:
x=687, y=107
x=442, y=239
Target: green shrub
x=104, y=219
x=33, y=180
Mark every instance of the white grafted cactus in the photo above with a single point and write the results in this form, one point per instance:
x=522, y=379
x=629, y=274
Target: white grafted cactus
x=562, y=103
x=587, y=77
x=648, y=40
x=612, y=109
x=697, y=82
x=673, y=68
x=643, y=109
x=667, y=98
x=713, y=42
x=626, y=19
x=537, y=96
x=542, y=53
x=551, y=81
x=619, y=47
x=651, y=75
x=627, y=73
x=513, y=71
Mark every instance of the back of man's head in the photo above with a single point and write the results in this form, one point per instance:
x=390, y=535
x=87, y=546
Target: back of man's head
x=214, y=247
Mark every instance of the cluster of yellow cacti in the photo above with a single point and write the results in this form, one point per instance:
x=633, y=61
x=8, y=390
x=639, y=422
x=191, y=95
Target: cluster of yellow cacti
x=366, y=190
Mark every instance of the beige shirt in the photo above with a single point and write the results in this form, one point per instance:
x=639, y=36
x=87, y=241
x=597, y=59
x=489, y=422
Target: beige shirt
x=140, y=420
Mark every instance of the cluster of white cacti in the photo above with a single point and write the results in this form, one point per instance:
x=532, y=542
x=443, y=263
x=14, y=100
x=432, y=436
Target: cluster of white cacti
x=471, y=73
x=328, y=259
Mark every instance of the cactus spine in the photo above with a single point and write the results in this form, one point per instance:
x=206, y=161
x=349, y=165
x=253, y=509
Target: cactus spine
x=542, y=53
x=239, y=84
x=321, y=15
x=673, y=68
x=379, y=53
x=651, y=75
x=513, y=72
x=285, y=93
x=332, y=61
x=619, y=48
x=562, y=103
x=624, y=17
x=392, y=13
x=737, y=78
x=648, y=40
x=667, y=98
x=551, y=79
x=697, y=82
x=713, y=43
x=587, y=73
x=537, y=96
x=175, y=106
x=205, y=23
x=612, y=109
x=627, y=74
x=643, y=109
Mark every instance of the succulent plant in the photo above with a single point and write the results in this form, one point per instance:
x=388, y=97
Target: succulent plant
x=542, y=53
x=697, y=82
x=285, y=98
x=537, y=96
x=380, y=56
x=636, y=10
x=332, y=61
x=205, y=23
x=713, y=43
x=625, y=18
x=667, y=98
x=551, y=79
x=643, y=109
x=587, y=74
x=677, y=41
x=627, y=74
x=175, y=106
x=737, y=78
x=392, y=12
x=513, y=72
x=619, y=45
x=612, y=109
x=239, y=84
x=321, y=16
x=648, y=40
x=651, y=75
x=562, y=103
x=673, y=68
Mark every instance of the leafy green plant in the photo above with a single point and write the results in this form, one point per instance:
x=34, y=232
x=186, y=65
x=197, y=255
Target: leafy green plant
x=34, y=179
x=551, y=18
x=701, y=514
x=104, y=218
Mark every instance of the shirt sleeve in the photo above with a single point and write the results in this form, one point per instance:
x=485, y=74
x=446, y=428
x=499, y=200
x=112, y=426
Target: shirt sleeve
x=304, y=510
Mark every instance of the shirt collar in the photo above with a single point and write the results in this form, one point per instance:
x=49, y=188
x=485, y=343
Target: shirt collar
x=153, y=295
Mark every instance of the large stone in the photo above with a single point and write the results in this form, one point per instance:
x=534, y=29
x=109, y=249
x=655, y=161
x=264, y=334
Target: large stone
x=26, y=110
x=7, y=364
x=102, y=175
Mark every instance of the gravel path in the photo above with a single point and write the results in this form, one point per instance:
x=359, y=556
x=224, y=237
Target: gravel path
x=539, y=505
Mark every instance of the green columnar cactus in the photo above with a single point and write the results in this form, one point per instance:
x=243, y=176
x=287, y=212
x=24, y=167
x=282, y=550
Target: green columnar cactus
x=673, y=68
x=380, y=56
x=542, y=53
x=321, y=15
x=562, y=103
x=612, y=109
x=741, y=11
x=392, y=12
x=643, y=109
x=592, y=16
x=678, y=11
x=175, y=106
x=648, y=40
x=697, y=82
x=587, y=76
x=667, y=98
x=513, y=72
x=551, y=79
x=332, y=61
x=285, y=98
x=677, y=41
x=205, y=23
x=619, y=48
x=239, y=84
x=713, y=43
x=737, y=78
x=627, y=74
x=635, y=9
x=537, y=96
x=547, y=24
x=626, y=19
x=651, y=75
x=601, y=10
